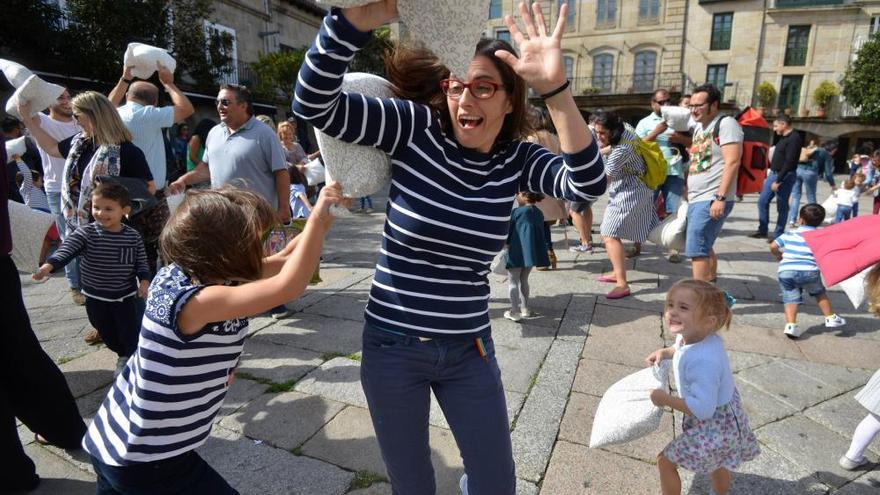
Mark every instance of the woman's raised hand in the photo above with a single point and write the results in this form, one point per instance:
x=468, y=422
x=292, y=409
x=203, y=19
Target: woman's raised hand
x=540, y=59
x=372, y=15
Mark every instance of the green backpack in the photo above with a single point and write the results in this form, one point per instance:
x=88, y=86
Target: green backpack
x=655, y=163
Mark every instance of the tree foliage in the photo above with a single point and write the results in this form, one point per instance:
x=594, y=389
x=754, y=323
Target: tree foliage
x=371, y=58
x=276, y=73
x=90, y=37
x=860, y=86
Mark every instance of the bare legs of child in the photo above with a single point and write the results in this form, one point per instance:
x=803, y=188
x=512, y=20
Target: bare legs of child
x=791, y=311
x=670, y=482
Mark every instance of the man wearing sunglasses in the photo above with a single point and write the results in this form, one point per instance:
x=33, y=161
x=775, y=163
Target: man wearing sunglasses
x=244, y=152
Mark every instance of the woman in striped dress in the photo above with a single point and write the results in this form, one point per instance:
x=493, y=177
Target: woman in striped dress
x=458, y=160
x=630, y=212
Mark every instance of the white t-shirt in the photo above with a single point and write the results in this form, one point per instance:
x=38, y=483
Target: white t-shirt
x=707, y=162
x=146, y=124
x=53, y=167
x=846, y=197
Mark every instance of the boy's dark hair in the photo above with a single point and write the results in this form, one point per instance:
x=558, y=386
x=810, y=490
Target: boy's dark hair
x=112, y=191
x=783, y=119
x=813, y=214
x=532, y=197
x=712, y=93
x=296, y=177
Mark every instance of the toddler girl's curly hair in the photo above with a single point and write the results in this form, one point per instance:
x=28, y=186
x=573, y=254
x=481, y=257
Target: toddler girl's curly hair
x=710, y=301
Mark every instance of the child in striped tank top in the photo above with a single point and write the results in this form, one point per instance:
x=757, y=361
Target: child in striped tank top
x=162, y=405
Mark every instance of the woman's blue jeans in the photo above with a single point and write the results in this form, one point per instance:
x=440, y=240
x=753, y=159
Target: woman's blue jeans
x=398, y=373
x=806, y=177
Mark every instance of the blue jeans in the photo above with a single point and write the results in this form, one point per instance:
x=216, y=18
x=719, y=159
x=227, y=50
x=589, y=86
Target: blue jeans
x=398, y=373
x=805, y=177
x=671, y=189
x=71, y=270
x=843, y=213
x=781, y=196
x=794, y=282
x=702, y=229
x=368, y=201
x=185, y=473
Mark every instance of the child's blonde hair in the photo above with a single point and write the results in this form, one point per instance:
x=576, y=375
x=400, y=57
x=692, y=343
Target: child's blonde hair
x=216, y=235
x=849, y=184
x=872, y=287
x=711, y=301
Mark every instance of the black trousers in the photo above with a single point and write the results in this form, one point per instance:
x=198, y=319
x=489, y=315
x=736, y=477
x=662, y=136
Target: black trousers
x=32, y=388
x=118, y=323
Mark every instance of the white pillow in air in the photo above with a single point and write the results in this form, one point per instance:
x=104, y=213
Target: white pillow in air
x=15, y=72
x=143, y=58
x=626, y=412
x=39, y=93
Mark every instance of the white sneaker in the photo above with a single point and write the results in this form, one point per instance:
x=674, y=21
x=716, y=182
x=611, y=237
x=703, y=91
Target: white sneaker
x=525, y=312
x=462, y=484
x=581, y=248
x=834, y=321
x=512, y=316
x=851, y=465
x=792, y=331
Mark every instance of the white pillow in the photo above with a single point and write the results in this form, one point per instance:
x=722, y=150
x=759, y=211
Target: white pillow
x=677, y=118
x=362, y=170
x=314, y=172
x=671, y=232
x=143, y=58
x=830, y=206
x=854, y=287
x=15, y=72
x=626, y=412
x=15, y=146
x=29, y=228
x=38, y=92
x=449, y=28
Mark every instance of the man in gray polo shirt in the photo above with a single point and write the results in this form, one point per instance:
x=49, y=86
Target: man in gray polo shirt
x=244, y=152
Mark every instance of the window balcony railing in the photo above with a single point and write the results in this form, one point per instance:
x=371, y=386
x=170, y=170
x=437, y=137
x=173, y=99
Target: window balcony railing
x=627, y=84
x=787, y=4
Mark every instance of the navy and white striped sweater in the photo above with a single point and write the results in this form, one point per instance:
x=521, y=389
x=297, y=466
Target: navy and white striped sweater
x=110, y=263
x=449, y=207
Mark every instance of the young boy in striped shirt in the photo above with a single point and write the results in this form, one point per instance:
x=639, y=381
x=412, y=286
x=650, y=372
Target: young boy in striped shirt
x=113, y=269
x=798, y=271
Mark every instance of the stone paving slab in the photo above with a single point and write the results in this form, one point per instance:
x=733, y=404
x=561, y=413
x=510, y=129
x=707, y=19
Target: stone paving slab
x=575, y=323
x=315, y=333
x=276, y=362
x=762, y=407
x=538, y=423
x=867, y=484
x=518, y=366
x=522, y=334
x=841, y=415
x=851, y=351
x=810, y=445
x=282, y=420
x=744, y=360
x=240, y=394
x=91, y=372
x=258, y=469
x=759, y=340
x=788, y=384
x=594, y=377
x=624, y=345
x=577, y=470
x=57, y=475
x=336, y=306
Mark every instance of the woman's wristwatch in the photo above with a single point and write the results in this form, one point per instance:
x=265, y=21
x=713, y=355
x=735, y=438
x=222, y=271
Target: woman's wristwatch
x=721, y=198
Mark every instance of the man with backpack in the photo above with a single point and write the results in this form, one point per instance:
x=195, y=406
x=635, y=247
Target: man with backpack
x=712, y=177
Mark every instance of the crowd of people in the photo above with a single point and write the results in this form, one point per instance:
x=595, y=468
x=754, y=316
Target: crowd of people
x=475, y=170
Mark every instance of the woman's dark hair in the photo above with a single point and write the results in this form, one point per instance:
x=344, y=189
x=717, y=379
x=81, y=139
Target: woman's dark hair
x=539, y=119
x=296, y=177
x=532, y=197
x=610, y=121
x=216, y=234
x=203, y=128
x=415, y=73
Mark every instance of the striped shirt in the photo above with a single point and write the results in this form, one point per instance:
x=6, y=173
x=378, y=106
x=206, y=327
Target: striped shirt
x=165, y=400
x=33, y=196
x=110, y=263
x=449, y=207
x=796, y=254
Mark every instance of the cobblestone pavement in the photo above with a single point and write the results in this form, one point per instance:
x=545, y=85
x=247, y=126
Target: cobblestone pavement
x=296, y=421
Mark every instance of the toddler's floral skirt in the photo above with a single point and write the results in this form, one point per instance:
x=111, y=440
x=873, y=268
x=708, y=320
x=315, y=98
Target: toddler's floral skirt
x=724, y=440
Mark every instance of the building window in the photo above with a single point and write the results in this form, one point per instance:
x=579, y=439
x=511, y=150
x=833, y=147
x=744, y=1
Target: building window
x=569, y=66
x=494, y=9
x=221, y=40
x=796, y=46
x=722, y=27
x=790, y=92
x=602, y=71
x=649, y=10
x=502, y=34
x=717, y=76
x=643, y=72
x=569, y=19
x=875, y=25
x=606, y=12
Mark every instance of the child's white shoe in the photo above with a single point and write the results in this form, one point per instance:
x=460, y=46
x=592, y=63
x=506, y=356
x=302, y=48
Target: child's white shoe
x=512, y=315
x=851, y=465
x=525, y=312
x=834, y=321
x=462, y=484
x=792, y=330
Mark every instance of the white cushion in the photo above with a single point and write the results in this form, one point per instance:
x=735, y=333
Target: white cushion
x=29, y=228
x=830, y=206
x=449, y=28
x=677, y=118
x=15, y=147
x=671, y=232
x=143, y=58
x=626, y=412
x=854, y=287
x=362, y=170
x=39, y=93
x=15, y=72
x=314, y=172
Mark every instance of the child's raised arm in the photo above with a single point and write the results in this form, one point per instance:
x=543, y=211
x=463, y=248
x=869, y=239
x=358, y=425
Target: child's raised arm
x=219, y=302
